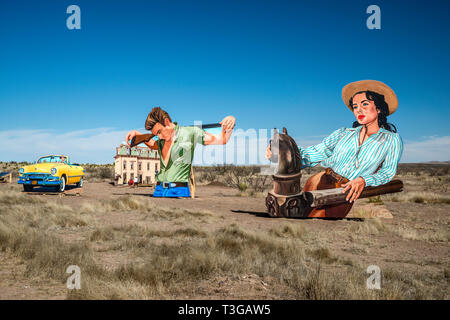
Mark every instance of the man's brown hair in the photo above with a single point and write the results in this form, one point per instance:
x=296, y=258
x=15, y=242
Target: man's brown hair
x=156, y=115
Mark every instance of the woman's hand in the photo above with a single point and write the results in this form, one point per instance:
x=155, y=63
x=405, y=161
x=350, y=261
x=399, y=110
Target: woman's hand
x=356, y=186
x=268, y=152
x=228, y=123
x=131, y=135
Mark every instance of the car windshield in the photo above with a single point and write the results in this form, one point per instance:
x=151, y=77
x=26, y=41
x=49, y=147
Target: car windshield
x=52, y=159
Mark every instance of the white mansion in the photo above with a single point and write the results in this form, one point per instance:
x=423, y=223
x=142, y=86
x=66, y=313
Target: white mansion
x=140, y=162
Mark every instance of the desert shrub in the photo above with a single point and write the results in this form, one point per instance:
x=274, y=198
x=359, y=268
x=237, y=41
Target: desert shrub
x=242, y=186
x=375, y=200
x=99, y=172
x=106, y=173
x=242, y=178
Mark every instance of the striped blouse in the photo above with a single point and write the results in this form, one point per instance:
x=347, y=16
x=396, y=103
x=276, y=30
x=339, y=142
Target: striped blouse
x=340, y=152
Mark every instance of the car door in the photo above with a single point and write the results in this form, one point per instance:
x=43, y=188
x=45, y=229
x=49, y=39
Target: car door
x=71, y=172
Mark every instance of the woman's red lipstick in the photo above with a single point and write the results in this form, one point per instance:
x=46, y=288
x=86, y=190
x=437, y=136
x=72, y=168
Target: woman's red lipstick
x=360, y=117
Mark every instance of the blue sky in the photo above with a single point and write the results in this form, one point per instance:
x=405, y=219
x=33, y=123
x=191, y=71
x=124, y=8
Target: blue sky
x=268, y=63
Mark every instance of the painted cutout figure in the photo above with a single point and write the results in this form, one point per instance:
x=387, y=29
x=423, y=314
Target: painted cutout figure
x=176, y=145
x=365, y=155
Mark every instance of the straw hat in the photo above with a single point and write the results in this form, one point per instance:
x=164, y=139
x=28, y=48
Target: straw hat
x=372, y=85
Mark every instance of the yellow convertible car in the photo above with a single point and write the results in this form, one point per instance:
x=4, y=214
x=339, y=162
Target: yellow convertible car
x=55, y=171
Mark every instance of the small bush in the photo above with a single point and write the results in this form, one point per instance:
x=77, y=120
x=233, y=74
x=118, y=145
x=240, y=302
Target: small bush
x=375, y=200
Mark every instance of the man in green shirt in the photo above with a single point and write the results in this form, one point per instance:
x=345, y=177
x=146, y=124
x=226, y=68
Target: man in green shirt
x=176, y=145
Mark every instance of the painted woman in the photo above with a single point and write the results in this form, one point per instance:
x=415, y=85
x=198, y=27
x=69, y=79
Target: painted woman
x=365, y=155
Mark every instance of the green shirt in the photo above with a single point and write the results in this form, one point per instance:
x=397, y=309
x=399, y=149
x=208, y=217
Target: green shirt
x=180, y=155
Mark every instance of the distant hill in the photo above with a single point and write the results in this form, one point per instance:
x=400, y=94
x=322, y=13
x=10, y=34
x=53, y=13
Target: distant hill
x=438, y=162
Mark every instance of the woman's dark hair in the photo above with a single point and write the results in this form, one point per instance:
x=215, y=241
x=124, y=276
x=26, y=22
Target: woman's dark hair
x=381, y=105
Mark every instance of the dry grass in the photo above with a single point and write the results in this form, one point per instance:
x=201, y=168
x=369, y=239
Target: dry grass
x=440, y=235
x=374, y=226
x=420, y=197
x=289, y=230
x=103, y=234
x=367, y=227
x=44, y=253
x=165, y=267
x=35, y=212
x=171, y=261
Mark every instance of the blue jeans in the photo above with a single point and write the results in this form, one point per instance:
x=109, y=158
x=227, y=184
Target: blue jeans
x=171, y=192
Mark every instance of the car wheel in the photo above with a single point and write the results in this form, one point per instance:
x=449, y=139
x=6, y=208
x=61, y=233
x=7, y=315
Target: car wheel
x=62, y=185
x=27, y=188
x=80, y=184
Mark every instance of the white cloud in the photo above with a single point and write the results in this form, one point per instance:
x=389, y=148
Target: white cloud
x=82, y=146
x=429, y=149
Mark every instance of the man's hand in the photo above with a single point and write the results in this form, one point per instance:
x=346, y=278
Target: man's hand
x=228, y=123
x=356, y=186
x=131, y=135
x=227, y=129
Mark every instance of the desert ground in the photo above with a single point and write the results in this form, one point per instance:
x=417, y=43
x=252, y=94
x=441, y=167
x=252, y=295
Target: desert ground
x=221, y=245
